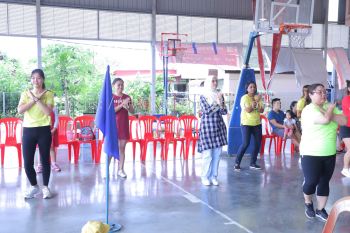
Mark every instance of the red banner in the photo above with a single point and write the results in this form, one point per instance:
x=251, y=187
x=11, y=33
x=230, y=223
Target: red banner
x=276, y=46
x=261, y=62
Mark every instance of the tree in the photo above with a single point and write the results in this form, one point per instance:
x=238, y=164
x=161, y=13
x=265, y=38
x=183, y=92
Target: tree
x=13, y=79
x=12, y=75
x=71, y=73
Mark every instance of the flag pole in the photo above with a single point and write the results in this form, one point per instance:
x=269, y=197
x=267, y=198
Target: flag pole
x=106, y=122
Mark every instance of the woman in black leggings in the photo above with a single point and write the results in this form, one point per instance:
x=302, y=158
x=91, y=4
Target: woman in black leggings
x=252, y=106
x=36, y=105
x=318, y=148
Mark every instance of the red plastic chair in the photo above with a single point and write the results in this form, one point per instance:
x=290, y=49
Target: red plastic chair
x=284, y=142
x=266, y=134
x=340, y=206
x=11, y=125
x=149, y=134
x=66, y=135
x=134, y=134
x=79, y=123
x=100, y=140
x=171, y=134
x=189, y=124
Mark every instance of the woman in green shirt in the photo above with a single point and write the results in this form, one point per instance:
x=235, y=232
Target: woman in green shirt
x=319, y=121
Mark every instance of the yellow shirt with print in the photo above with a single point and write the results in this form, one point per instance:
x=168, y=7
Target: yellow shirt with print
x=301, y=104
x=249, y=118
x=35, y=117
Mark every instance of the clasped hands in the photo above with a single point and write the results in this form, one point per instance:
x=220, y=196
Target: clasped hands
x=255, y=103
x=126, y=103
x=220, y=99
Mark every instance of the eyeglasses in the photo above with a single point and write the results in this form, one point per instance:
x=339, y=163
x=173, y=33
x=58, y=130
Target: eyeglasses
x=320, y=92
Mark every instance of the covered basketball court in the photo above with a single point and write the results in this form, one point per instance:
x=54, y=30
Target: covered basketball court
x=167, y=196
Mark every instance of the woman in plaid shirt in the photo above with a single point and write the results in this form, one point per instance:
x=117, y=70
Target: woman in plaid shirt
x=212, y=133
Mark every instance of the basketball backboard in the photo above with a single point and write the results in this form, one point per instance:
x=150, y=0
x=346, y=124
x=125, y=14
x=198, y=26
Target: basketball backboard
x=270, y=14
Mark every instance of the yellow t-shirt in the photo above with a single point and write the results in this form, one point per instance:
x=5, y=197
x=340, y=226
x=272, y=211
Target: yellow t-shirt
x=35, y=117
x=249, y=118
x=301, y=104
x=317, y=139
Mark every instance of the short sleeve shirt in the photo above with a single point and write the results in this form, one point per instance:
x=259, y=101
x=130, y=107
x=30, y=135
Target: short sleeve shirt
x=122, y=117
x=346, y=108
x=277, y=116
x=249, y=118
x=317, y=139
x=35, y=117
x=301, y=104
x=289, y=122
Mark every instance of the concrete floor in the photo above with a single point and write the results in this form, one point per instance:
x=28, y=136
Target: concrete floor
x=161, y=196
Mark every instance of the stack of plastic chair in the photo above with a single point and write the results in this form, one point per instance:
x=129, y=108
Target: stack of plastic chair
x=171, y=134
x=11, y=125
x=79, y=123
x=189, y=124
x=149, y=134
x=100, y=140
x=66, y=135
x=134, y=134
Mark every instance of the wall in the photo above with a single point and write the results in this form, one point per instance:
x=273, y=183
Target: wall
x=283, y=86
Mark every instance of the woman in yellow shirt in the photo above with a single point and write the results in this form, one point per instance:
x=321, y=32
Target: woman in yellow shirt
x=36, y=105
x=302, y=102
x=252, y=106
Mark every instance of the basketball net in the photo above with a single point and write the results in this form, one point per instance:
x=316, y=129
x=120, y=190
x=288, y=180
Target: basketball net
x=297, y=34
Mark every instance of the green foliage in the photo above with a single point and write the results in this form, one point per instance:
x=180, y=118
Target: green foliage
x=140, y=92
x=12, y=75
x=71, y=73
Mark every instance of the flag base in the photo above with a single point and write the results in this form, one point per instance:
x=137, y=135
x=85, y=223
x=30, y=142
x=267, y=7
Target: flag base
x=114, y=227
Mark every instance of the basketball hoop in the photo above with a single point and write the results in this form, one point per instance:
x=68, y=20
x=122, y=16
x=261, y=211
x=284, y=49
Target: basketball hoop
x=172, y=45
x=297, y=34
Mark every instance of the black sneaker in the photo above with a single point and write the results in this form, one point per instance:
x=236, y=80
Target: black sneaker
x=309, y=210
x=322, y=215
x=237, y=167
x=255, y=167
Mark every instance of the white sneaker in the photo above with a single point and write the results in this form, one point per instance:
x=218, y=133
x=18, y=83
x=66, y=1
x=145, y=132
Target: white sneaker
x=205, y=182
x=121, y=174
x=32, y=191
x=215, y=182
x=345, y=172
x=46, y=192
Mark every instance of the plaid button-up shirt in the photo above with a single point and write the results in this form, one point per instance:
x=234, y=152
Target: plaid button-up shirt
x=212, y=132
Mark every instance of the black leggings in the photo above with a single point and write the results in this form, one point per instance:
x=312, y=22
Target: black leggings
x=318, y=171
x=40, y=136
x=247, y=132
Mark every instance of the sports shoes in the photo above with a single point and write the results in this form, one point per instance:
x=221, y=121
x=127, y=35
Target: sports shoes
x=345, y=172
x=322, y=215
x=55, y=167
x=309, y=210
x=255, y=167
x=205, y=182
x=237, y=167
x=46, y=192
x=31, y=192
x=121, y=174
x=215, y=182
x=39, y=168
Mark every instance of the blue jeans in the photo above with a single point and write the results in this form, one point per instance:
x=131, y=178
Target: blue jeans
x=210, y=163
x=247, y=131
